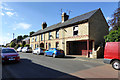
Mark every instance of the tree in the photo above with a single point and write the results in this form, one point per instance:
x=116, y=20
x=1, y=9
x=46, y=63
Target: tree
x=114, y=34
x=19, y=37
x=23, y=43
x=25, y=36
x=115, y=22
x=31, y=32
x=27, y=45
x=12, y=44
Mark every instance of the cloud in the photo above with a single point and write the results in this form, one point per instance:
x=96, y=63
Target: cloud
x=10, y=13
x=8, y=9
x=2, y=14
x=109, y=18
x=22, y=25
x=8, y=34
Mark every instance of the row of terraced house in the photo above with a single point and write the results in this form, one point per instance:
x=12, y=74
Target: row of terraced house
x=81, y=35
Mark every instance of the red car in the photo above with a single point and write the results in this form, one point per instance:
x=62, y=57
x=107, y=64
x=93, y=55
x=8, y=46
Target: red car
x=9, y=54
x=112, y=54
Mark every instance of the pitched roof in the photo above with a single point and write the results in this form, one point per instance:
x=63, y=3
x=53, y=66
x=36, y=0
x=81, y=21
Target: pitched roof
x=76, y=19
x=27, y=38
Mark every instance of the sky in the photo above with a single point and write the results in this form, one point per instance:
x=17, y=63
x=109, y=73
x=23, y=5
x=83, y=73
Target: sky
x=21, y=18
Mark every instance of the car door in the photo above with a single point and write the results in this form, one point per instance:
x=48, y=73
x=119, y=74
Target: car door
x=51, y=52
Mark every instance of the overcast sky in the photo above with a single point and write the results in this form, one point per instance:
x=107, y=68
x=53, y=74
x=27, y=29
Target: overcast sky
x=21, y=18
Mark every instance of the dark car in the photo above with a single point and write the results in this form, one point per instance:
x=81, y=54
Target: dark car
x=54, y=52
x=9, y=54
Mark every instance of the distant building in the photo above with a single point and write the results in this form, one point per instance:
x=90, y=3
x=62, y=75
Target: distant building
x=27, y=40
x=80, y=35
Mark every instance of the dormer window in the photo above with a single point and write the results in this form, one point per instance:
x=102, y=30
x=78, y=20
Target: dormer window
x=75, y=30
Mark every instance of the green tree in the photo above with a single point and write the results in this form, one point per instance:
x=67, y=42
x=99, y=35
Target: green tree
x=27, y=45
x=23, y=43
x=31, y=32
x=12, y=44
x=19, y=37
x=114, y=34
x=25, y=36
x=18, y=45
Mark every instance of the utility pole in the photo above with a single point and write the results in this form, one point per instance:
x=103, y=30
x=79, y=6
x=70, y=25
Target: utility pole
x=13, y=35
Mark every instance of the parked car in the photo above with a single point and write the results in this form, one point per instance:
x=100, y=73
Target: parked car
x=54, y=52
x=19, y=49
x=38, y=51
x=9, y=54
x=112, y=54
x=26, y=49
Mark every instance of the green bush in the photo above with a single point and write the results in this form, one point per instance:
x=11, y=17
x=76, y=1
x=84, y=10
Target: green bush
x=26, y=45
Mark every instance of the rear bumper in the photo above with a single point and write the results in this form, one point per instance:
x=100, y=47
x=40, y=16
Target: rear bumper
x=7, y=59
x=107, y=61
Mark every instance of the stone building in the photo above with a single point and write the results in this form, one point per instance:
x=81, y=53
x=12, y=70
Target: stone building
x=81, y=35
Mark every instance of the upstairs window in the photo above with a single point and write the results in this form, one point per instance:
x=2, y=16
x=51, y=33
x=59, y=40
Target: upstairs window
x=32, y=39
x=41, y=37
x=57, y=34
x=35, y=38
x=50, y=36
x=75, y=30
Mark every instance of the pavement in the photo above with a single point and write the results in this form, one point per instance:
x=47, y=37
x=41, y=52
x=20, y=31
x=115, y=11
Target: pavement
x=39, y=66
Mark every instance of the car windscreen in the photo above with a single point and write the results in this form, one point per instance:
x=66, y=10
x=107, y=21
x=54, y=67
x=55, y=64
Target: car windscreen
x=8, y=51
x=19, y=48
x=25, y=48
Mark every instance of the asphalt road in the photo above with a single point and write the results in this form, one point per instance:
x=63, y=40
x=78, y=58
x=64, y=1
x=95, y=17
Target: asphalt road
x=41, y=67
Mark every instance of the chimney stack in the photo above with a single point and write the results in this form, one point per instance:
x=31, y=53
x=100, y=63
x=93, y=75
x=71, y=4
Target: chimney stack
x=64, y=17
x=44, y=25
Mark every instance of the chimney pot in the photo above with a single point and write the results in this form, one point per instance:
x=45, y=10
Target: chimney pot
x=44, y=25
x=64, y=17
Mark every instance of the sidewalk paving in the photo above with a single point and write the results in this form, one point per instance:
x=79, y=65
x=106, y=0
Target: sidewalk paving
x=83, y=58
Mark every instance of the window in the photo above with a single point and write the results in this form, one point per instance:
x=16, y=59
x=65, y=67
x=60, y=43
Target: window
x=50, y=36
x=41, y=37
x=75, y=30
x=49, y=45
x=35, y=46
x=57, y=34
x=32, y=39
x=35, y=38
x=57, y=45
x=46, y=45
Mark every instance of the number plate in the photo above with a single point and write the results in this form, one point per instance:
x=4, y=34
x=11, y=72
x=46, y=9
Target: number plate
x=11, y=59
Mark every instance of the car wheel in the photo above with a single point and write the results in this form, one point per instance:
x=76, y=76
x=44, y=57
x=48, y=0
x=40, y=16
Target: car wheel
x=63, y=56
x=45, y=54
x=54, y=56
x=37, y=53
x=116, y=64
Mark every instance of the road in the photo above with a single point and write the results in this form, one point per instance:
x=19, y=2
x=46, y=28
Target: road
x=39, y=67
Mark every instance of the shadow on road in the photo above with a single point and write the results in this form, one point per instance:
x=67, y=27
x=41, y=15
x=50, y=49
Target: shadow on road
x=26, y=69
x=67, y=57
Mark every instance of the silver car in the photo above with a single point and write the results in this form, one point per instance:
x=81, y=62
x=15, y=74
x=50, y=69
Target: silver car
x=38, y=51
x=26, y=49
